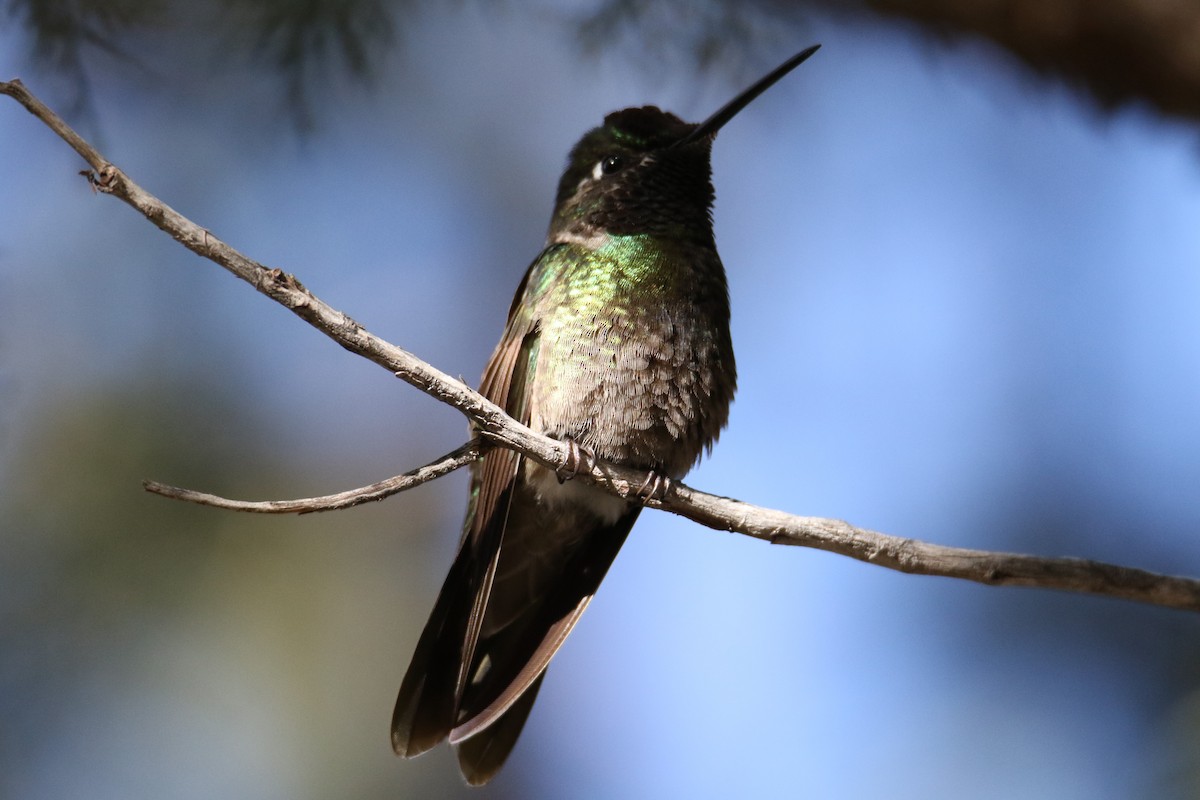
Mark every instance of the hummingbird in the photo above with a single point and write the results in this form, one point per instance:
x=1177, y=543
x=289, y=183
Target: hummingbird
x=617, y=343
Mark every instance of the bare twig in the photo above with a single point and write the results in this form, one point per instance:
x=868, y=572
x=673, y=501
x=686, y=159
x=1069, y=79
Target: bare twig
x=17, y=91
x=921, y=558
x=497, y=428
x=377, y=491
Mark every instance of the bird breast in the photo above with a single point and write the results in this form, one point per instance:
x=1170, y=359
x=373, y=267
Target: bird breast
x=634, y=361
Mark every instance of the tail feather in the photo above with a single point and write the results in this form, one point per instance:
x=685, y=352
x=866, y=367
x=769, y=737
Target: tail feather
x=482, y=756
x=428, y=702
x=473, y=681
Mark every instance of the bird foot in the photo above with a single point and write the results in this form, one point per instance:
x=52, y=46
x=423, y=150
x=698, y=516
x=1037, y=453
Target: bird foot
x=579, y=458
x=654, y=488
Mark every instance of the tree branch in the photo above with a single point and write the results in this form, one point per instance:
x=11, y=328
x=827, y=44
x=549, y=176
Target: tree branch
x=496, y=428
x=448, y=463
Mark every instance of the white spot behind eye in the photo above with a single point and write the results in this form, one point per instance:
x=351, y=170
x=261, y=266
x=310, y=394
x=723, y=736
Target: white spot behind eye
x=598, y=170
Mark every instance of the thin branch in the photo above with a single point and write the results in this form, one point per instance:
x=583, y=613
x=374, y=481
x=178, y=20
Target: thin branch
x=494, y=427
x=17, y=91
x=921, y=558
x=448, y=463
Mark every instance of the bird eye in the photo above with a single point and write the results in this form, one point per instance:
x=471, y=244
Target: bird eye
x=611, y=164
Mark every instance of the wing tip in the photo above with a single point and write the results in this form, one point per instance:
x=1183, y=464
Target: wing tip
x=406, y=745
x=417, y=724
x=484, y=742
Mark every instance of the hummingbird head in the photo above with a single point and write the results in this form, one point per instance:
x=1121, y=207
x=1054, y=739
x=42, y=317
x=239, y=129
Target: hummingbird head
x=646, y=171
x=634, y=175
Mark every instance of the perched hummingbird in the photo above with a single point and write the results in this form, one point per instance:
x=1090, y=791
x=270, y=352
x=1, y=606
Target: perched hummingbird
x=617, y=342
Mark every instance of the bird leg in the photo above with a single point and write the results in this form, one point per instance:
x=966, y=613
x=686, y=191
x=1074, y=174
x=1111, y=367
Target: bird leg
x=654, y=488
x=582, y=458
x=577, y=456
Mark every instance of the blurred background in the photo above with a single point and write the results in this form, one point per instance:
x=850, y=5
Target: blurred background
x=963, y=250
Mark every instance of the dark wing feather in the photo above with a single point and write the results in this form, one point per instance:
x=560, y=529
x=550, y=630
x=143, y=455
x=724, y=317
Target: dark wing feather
x=520, y=653
x=427, y=704
x=481, y=757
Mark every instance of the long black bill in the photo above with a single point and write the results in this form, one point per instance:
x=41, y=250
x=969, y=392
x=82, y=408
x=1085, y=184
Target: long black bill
x=713, y=124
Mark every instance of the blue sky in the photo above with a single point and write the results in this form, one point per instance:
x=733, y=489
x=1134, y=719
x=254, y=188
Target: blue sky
x=965, y=310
